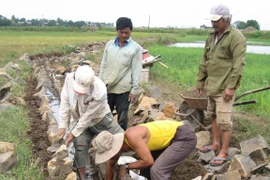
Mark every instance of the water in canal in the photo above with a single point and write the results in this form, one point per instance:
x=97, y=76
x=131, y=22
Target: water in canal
x=250, y=48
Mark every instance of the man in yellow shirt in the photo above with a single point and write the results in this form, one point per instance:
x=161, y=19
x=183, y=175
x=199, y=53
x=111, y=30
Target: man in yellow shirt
x=176, y=139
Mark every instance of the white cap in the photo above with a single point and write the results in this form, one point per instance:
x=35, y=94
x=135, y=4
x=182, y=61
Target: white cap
x=84, y=77
x=218, y=11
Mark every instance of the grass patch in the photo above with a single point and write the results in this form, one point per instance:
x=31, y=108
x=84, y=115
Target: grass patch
x=14, y=125
x=246, y=126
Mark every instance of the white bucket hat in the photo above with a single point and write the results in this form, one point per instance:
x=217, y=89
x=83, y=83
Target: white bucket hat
x=107, y=145
x=218, y=11
x=84, y=78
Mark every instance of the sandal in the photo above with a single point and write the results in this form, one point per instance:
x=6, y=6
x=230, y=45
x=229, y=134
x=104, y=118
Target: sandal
x=208, y=149
x=224, y=160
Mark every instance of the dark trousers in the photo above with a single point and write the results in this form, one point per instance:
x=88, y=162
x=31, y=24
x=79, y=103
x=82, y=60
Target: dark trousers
x=121, y=103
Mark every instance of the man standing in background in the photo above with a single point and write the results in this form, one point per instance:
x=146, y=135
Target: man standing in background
x=220, y=73
x=120, y=69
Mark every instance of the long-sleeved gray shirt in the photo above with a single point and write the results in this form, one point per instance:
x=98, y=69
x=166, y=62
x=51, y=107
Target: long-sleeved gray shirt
x=121, y=67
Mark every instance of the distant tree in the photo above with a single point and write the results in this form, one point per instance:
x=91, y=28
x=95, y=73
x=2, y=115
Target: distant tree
x=69, y=23
x=241, y=25
x=79, y=23
x=60, y=22
x=253, y=23
x=36, y=22
x=22, y=20
x=51, y=23
x=4, y=22
x=14, y=19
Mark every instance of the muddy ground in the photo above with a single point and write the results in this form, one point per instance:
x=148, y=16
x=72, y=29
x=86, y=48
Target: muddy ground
x=38, y=128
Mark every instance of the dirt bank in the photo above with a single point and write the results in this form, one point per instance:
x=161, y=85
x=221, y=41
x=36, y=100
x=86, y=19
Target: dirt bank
x=38, y=128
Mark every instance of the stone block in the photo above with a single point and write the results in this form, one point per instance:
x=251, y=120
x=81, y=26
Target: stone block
x=6, y=147
x=203, y=138
x=169, y=110
x=61, y=153
x=156, y=115
x=59, y=169
x=47, y=116
x=231, y=175
x=72, y=176
x=145, y=104
x=52, y=133
x=7, y=160
x=256, y=148
x=243, y=164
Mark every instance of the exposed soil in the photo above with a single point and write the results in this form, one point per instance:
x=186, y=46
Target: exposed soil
x=188, y=170
x=38, y=128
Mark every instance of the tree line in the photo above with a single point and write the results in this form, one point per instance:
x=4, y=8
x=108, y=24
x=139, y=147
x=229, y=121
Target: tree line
x=60, y=22
x=241, y=24
x=14, y=21
x=249, y=23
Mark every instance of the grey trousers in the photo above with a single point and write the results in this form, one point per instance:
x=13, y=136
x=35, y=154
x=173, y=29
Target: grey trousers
x=82, y=142
x=182, y=145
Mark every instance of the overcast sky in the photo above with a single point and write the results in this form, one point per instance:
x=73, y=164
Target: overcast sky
x=162, y=13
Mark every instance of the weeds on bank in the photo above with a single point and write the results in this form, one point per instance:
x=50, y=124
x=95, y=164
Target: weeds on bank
x=14, y=125
x=246, y=128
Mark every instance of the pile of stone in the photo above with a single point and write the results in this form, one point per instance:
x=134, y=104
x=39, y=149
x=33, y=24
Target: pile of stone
x=249, y=162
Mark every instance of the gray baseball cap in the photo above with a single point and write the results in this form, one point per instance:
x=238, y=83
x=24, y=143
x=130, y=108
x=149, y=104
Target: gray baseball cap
x=218, y=11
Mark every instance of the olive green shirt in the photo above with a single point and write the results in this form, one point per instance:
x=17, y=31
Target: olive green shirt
x=222, y=63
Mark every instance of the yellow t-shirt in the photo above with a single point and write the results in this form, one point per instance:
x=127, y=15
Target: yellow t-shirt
x=162, y=132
